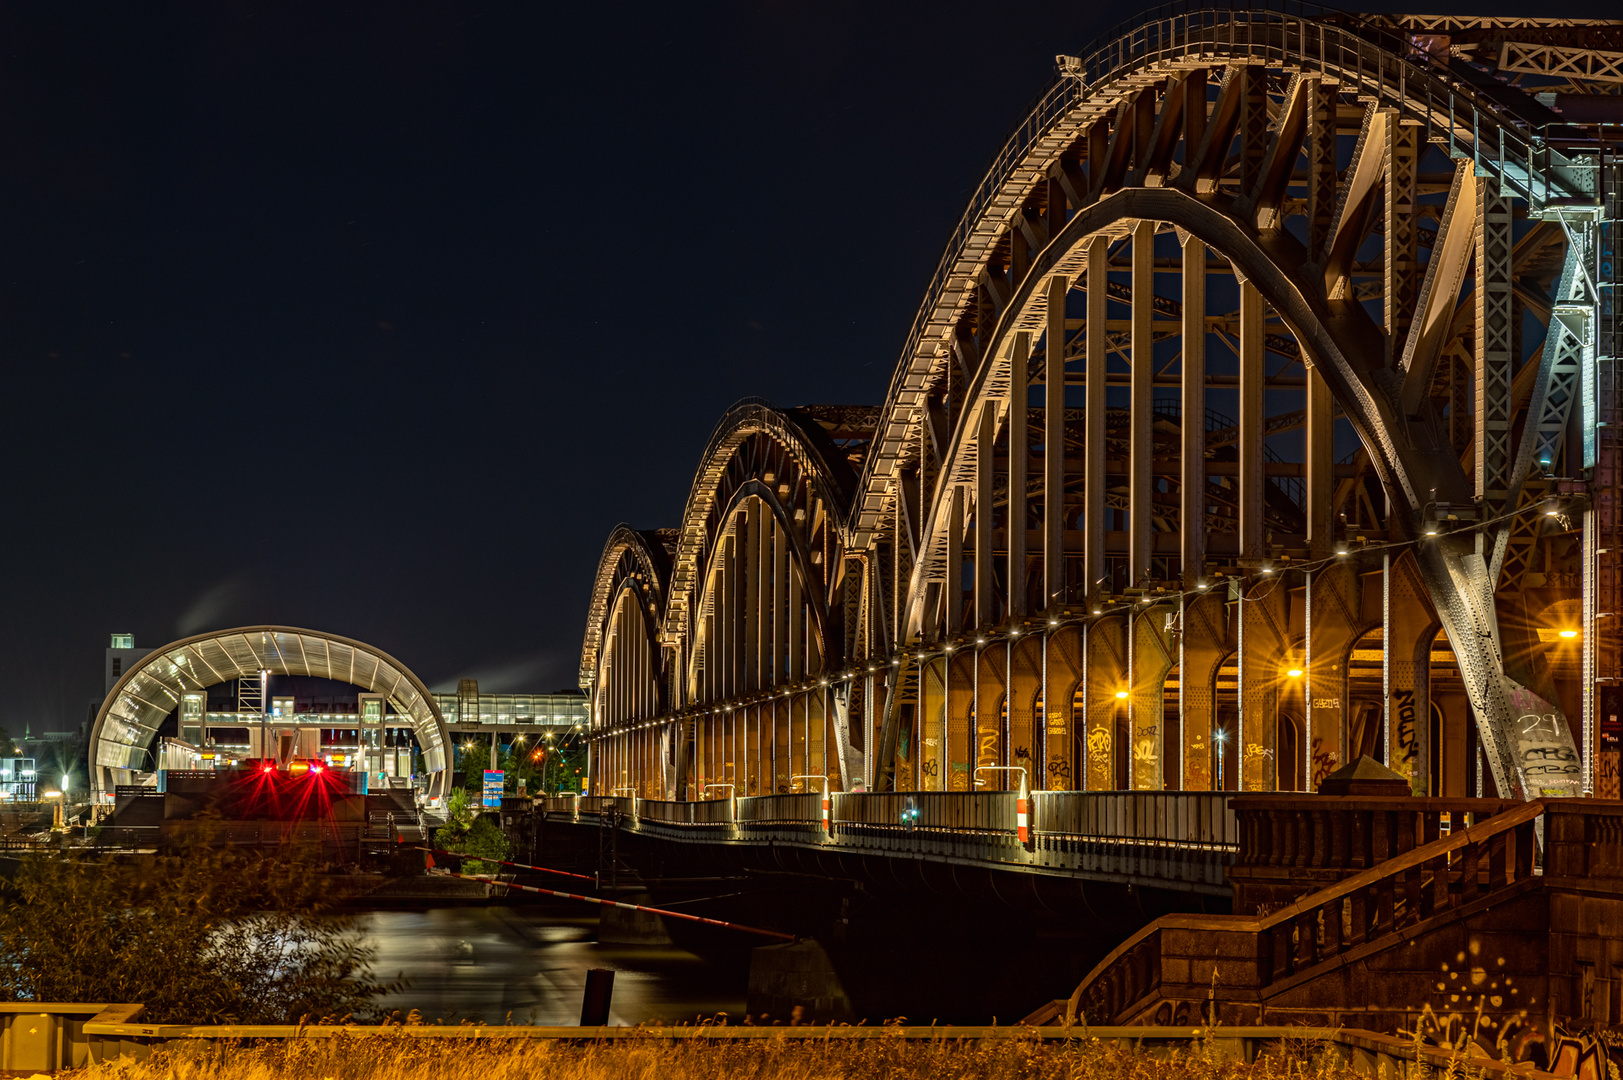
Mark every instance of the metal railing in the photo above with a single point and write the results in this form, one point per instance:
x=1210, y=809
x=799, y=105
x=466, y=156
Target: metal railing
x=1318, y=929
x=1186, y=838
x=1199, y=820
x=977, y=813
x=797, y=812
x=710, y=812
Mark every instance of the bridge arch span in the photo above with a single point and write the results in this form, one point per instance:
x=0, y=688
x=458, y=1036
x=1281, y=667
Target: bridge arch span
x=1262, y=328
x=755, y=572
x=1206, y=145
x=621, y=660
x=130, y=715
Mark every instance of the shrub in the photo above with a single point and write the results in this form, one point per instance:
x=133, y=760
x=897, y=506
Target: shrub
x=205, y=935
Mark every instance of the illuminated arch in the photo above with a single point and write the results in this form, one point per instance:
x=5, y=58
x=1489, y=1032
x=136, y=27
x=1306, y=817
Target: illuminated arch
x=622, y=664
x=630, y=559
x=149, y=691
x=1219, y=130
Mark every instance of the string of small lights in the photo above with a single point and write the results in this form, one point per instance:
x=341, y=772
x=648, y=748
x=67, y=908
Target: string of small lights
x=1554, y=507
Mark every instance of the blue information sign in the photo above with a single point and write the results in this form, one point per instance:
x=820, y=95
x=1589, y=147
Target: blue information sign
x=493, y=789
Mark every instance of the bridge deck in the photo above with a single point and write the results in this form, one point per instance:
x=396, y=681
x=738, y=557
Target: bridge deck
x=1181, y=840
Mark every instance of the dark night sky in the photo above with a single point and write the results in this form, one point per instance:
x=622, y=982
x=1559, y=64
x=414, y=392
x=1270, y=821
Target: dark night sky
x=376, y=318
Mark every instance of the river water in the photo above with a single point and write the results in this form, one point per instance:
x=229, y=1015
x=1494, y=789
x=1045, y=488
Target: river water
x=527, y=965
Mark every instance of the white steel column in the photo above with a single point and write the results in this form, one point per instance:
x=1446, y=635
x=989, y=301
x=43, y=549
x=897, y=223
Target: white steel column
x=1192, y=475
x=1093, y=469
x=1054, y=445
x=797, y=644
x=953, y=588
x=984, y=459
x=780, y=603
x=1252, y=367
x=1019, y=451
x=1141, y=434
x=1320, y=469
x=752, y=600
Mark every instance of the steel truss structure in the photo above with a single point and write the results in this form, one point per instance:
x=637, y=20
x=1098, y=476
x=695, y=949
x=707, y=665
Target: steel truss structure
x=1259, y=415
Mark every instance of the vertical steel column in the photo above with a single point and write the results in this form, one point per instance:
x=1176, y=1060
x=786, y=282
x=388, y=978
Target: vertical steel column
x=762, y=612
x=1321, y=164
x=1192, y=477
x=1320, y=469
x=1054, y=445
x=1591, y=730
x=985, y=458
x=797, y=622
x=731, y=596
x=952, y=590
x=1386, y=658
x=1491, y=297
x=1141, y=432
x=1039, y=735
x=780, y=604
x=755, y=629
x=708, y=688
x=1084, y=773
x=1019, y=452
x=870, y=755
x=1252, y=407
x=1400, y=272
x=1093, y=468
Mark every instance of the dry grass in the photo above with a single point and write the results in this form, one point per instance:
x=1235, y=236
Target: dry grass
x=401, y=1058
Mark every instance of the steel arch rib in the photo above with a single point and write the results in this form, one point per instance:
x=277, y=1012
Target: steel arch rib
x=1112, y=71
x=650, y=558
x=748, y=417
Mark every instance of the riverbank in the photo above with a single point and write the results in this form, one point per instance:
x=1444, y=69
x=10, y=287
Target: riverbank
x=405, y=1058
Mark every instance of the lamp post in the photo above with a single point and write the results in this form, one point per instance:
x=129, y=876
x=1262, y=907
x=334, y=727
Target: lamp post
x=264, y=720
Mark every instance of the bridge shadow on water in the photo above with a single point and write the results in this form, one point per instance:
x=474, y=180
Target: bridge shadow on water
x=895, y=955
x=489, y=963
x=956, y=944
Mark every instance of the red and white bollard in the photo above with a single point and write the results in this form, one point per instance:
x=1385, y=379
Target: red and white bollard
x=827, y=802
x=1022, y=822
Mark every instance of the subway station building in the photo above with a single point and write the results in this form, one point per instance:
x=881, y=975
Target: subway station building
x=213, y=700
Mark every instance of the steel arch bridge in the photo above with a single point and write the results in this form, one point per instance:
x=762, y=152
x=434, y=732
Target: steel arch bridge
x=1260, y=414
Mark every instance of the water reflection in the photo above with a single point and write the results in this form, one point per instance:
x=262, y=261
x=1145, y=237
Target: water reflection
x=529, y=964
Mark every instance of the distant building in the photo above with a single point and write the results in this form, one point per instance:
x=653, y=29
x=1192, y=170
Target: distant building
x=120, y=655
x=470, y=710
x=17, y=779
x=302, y=713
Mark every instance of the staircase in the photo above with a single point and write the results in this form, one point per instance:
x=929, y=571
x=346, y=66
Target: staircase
x=408, y=826
x=1447, y=927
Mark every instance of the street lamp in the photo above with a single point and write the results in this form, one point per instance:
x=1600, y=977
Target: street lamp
x=1221, y=738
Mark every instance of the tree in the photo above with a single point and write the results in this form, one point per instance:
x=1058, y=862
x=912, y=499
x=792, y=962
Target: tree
x=465, y=833
x=205, y=935
x=472, y=763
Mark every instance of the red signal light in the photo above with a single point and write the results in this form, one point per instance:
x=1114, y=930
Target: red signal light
x=316, y=768
x=267, y=768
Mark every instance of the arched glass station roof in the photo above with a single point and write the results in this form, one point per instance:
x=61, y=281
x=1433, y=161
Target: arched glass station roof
x=129, y=718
